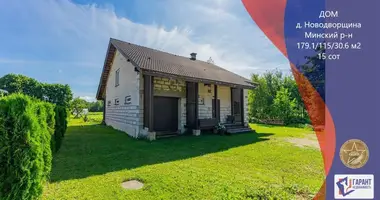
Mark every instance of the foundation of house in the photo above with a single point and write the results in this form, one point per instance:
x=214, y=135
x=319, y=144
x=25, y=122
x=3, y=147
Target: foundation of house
x=197, y=132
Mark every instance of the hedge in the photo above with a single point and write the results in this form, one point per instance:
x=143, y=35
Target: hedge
x=51, y=122
x=30, y=131
x=60, y=126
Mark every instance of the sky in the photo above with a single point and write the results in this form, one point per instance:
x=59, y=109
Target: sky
x=61, y=41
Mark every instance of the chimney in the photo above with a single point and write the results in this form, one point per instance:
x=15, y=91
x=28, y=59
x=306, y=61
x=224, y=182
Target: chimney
x=193, y=56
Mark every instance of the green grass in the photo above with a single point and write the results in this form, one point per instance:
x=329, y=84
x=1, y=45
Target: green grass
x=94, y=117
x=281, y=131
x=94, y=160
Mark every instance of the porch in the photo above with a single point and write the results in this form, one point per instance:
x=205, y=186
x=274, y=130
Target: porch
x=174, y=106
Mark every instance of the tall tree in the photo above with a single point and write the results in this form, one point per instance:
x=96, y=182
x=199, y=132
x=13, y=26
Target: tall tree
x=55, y=93
x=314, y=70
x=283, y=106
x=276, y=97
x=96, y=106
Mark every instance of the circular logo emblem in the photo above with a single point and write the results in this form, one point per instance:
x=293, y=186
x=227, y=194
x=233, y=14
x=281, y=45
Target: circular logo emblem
x=354, y=154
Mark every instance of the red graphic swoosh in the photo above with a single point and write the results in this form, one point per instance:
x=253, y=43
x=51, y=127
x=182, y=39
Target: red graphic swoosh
x=269, y=17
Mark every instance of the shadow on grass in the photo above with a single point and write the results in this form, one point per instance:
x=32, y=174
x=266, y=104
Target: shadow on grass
x=96, y=149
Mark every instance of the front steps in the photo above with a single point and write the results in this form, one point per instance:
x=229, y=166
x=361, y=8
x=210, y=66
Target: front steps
x=237, y=128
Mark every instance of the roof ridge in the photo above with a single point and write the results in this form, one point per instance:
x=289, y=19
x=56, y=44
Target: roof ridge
x=172, y=54
x=216, y=67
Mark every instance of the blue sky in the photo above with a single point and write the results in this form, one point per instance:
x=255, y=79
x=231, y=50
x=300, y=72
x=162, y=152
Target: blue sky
x=60, y=41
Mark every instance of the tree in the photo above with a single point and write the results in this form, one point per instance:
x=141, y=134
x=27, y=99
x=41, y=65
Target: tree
x=276, y=97
x=314, y=71
x=3, y=93
x=283, y=105
x=313, y=94
x=58, y=94
x=96, y=106
x=77, y=106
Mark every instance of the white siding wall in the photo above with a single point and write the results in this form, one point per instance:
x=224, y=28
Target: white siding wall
x=124, y=117
x=224, y=94
x=182, y=115
x=206, y=94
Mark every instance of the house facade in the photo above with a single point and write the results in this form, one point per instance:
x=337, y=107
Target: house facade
x=150, y=93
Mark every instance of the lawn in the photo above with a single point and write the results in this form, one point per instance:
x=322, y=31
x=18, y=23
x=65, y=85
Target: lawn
x=94, y=160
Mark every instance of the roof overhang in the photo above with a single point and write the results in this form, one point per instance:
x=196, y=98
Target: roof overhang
x=198, y=80
x=110, y=54
x=106, y=69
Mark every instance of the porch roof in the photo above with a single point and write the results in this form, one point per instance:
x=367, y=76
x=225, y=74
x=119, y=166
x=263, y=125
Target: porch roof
x=159, y=63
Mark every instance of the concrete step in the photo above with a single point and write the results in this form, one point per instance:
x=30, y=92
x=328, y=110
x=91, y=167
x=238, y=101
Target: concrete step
x=239, y=130
x=233, y=125
x=166, y=134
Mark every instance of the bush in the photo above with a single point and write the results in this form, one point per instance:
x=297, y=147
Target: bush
x=25, y=152
x=60, y=126
x=297, y=120
x=50, y=119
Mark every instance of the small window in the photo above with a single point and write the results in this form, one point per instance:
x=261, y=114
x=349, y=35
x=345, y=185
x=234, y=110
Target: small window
x=109, y=103
x=117, y=77
x=128, y=99
x=116, y=101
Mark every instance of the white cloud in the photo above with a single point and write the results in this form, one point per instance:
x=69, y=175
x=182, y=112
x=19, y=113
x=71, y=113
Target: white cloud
x=220, y=29
x=88, y=98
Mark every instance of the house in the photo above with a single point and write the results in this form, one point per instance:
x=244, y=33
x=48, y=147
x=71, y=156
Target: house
x=151, y=93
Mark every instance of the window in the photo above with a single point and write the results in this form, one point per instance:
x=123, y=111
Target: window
x=128, y=99
x=116, y=101
x=117, y=77
x=109, y=103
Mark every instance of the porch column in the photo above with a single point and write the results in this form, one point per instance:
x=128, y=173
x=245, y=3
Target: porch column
x=148, y=102
x=196, y=87
x=232, y=101
x=242, y=105
x=216, y=105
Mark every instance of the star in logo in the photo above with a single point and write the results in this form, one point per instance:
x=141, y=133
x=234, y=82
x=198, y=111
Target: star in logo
x=354, y=153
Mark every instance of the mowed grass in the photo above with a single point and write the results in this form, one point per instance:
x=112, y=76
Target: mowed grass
x=94, y=160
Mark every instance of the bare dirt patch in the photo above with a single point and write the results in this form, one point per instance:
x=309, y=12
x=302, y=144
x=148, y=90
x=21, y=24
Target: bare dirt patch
x=309, y=141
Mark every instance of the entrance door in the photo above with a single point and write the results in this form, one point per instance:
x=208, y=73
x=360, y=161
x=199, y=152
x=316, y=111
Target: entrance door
x=165, y=114
x=236, y=104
